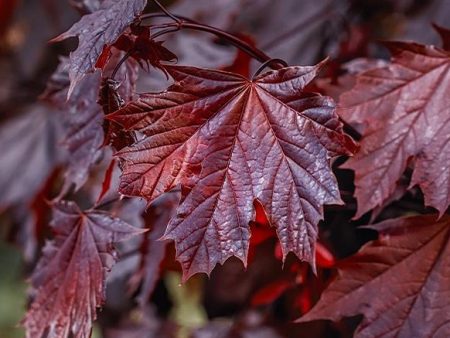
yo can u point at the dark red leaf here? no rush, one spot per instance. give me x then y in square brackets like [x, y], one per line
[96, 30]
[228, 141]
[404, 107]
[69, 280]
[144, 49]
[400, 283]
[84, 136]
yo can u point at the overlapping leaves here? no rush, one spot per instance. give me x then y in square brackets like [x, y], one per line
[97, 30]
[83, 115]
[229, 141]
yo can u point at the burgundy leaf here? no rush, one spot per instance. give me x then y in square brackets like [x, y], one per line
[400, 283]
[404, 106]
[69, 280]
[139, 45]
[229, 141]
[96, 30]
[84, 136]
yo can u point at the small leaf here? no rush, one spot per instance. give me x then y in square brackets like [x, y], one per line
[96, 30]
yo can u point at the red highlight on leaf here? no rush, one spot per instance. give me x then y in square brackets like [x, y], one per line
[106, 181]
[229, 141]
[324, 258]
[270, 292]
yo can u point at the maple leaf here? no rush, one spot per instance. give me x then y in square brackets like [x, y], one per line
[229, 141]
[380, 283]
[405, 109]
[84, 136]
[69, 280]
[97, 30]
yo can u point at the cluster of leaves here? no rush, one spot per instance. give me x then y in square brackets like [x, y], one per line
[231, 164]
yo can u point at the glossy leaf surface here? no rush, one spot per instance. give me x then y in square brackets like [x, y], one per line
[97, 30]
[229, 141]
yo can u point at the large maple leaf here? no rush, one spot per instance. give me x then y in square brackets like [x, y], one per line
[406, 109]
[400, 283]
[229, 141]
[69, 280]
[97, 30]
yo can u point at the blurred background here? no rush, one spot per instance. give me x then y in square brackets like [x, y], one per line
[259, 302]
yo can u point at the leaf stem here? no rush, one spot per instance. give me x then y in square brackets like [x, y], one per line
[267, 64]
[235, 41]
[166, 12]
[122, 60]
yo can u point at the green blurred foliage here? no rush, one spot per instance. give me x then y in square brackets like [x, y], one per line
[12, 292]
